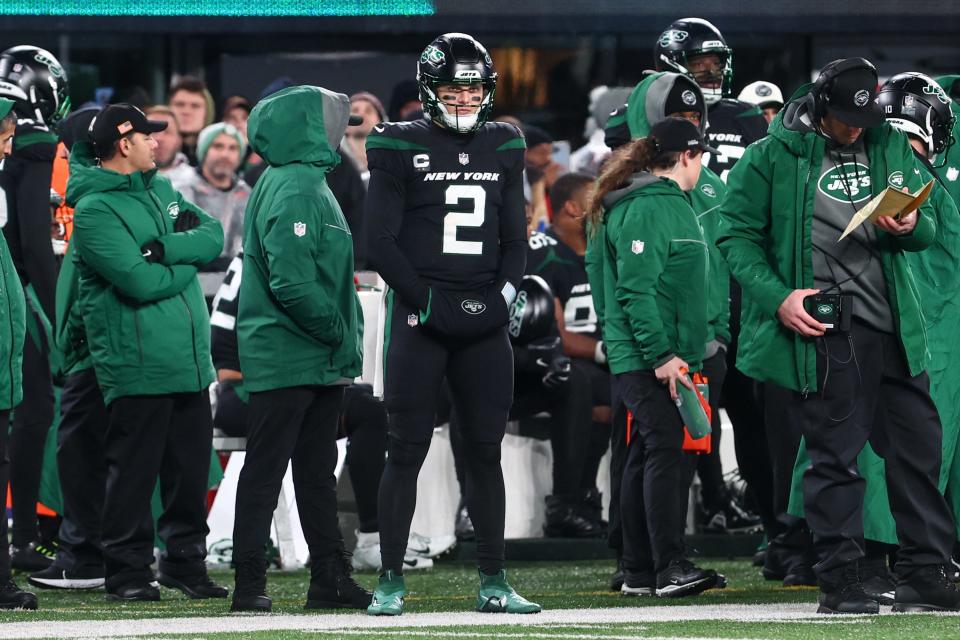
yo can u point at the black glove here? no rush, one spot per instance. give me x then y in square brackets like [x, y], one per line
[465, 314]
[152, 251]
[186, 221]
[547, 359]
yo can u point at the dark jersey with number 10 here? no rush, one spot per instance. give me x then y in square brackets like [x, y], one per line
[444, 208]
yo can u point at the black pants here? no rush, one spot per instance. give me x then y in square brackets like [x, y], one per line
[618, 459]
[653, 494]
[599, 433]
[479, 373]
[866, 393]
[298, 425]
[81, 439]
[232, 413]
[708, 465]
[4, 480]
[32, 420]
[170, 437]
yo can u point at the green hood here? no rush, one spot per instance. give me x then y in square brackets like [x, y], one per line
[301, 124]
[87, 177]
[645, 107]
[641, 180]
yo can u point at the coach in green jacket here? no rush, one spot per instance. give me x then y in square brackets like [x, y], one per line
[790, 198]
[137, 244]
[299, 333]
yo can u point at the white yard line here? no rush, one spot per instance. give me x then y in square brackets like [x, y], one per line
[360, 623]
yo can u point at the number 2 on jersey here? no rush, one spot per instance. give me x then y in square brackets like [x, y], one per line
[455, 195]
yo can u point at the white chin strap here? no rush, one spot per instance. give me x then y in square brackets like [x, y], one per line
[461, 124]
[711, 96]
[912, 128]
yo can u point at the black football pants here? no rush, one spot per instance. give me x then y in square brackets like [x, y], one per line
[81, 439]
[167, 436]
[866, 394]
[479, 373]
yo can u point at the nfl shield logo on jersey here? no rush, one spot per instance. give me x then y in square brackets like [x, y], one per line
[636, 246]
[299, 229]
[412, 320]
[464, 158]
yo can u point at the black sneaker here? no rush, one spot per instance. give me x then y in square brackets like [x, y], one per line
[134, 592]
[591, 507]
[800, 574]
[842, 592]
[732, 518]
[639, 583]
[926, 589]
[196, 588]
[55, 577]
[13, 597]
[30, 558]
[332, 586]
[683, 578]
[463, 528]
[564, 519]
[616, 580]
[878, 582]
[250, 588]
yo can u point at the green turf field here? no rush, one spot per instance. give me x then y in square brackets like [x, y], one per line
[575, 596]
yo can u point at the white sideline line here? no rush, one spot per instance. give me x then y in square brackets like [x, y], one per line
[358, 623]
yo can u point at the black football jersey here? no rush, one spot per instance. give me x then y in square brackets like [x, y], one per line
[566, 273]
[734, 125]
[223, 319]
[445, 208]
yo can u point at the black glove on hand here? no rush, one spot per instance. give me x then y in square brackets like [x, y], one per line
[558, 374]
[186, 221]
[546, 355]
[152, 251]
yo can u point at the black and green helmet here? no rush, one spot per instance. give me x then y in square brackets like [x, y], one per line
[455, 58]
[36, 81]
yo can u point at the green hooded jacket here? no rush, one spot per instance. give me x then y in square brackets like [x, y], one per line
[69, 335]
[766, 222]
[654, 276]
[147, 325]
[13, 330]
[645, 108]
[299, 320]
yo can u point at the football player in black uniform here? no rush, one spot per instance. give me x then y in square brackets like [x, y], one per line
[448, 231]
[37, 83]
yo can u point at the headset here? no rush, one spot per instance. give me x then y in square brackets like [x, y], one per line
[819, 96]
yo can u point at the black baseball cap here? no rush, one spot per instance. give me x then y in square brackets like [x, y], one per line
[118, 120]
[851, 96]
[678, 134]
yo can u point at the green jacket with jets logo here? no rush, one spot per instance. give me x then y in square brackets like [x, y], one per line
[299, 320]
[766, 220]
[146, 324]
[653, 264]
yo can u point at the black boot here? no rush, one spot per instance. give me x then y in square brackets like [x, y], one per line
[926, 589]
[332, 587]
[13, 597]
[842, 592]
[566, 520]
[877, 580]
[591, 506]
[464, 525]
[250, 588]
[196, 587]
[616, 580]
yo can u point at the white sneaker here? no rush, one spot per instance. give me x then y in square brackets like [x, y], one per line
[427, 547]
[366, 555]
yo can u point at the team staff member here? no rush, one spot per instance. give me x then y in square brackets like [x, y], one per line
[12, 332]
[36, 82]
[299, 336]
[654, 261]
[844, 387]
[137, 244]
[448, 234]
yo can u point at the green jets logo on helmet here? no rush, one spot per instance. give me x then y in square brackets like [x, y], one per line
[52, 65]
[936, 90]
[849, 182]
[672, 35]
[432, 55]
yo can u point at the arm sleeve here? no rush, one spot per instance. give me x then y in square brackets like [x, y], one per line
[744, 226]
[197, 246]
[513, 227]
[636, 289]
[104, 243]
[384, 215]
[292, 263]
[33, 213]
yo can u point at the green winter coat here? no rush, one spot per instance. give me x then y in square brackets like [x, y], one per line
[645, 108]
[766, 221]
[13, 330]
[654, 276]
[299, 321]
[950, 171]
[69, 335]
[147, 325]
